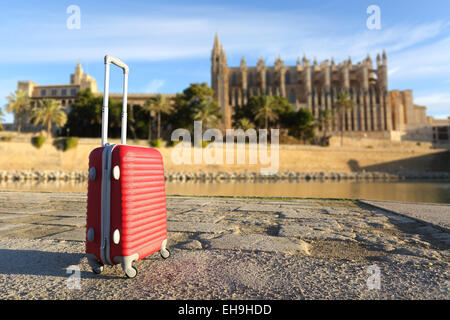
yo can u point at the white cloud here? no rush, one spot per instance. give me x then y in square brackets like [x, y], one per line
[438, 104]
[154, 86]
[428, 61]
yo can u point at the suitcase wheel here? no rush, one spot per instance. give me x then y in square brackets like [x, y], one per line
[165, 253]
[98, 269]
[131, 272]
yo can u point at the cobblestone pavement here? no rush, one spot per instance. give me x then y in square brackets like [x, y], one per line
[229, 248]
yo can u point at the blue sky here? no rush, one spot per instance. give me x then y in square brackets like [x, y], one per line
[168, 44]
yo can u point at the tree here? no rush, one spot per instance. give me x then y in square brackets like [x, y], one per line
[323, 121]
[302, 124]
[208, 113]
[85, 116]
[158, 105]
[266, 111]
[1, 119]
[342, 104]
[245, 124]
[47, 112]
[19, 104]
[195, 100]
[280, 109]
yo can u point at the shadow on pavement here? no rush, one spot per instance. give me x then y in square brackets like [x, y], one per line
[44, 263]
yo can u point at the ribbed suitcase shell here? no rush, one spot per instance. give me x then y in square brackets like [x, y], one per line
[138, 202]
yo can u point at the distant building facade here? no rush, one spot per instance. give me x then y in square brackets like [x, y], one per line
[66, 95]
[376, 113]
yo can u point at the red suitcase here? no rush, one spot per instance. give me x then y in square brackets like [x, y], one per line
[126, 204]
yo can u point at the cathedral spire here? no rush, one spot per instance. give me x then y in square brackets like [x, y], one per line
[216, 41]
[243, 64]
[217, 48]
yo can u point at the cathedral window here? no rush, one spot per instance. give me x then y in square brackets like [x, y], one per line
[250, 80]
[287, 77]
[233, 80]
[292, 97]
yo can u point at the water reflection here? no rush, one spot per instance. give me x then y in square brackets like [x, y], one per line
[410, 191]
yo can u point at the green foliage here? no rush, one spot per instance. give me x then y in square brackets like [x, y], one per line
[271, 109]
[19, 104]
[342, 104]
[195, 103]
[205, 143]
[172, 143]
[65, 143]
[159, 118]
[85, 117]
[49, 112]
[301, 124]
[1, 119]
[38, 141]
[244, 124]
[274, 111]
[160, 105]
[156, 143]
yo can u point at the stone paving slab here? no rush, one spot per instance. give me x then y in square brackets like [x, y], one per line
[436, 214]
[75, 222]
[81, 214]
[71, 235]
[259, 208]
[249, 248]
[7, 227]
[204, 227]
[258, 242]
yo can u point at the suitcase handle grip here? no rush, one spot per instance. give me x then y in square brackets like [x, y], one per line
[124, 67]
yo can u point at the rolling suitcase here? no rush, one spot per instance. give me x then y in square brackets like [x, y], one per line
[126, 203]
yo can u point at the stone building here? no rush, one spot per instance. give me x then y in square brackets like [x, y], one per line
[377, 112]
[308, 85]
[66, 95]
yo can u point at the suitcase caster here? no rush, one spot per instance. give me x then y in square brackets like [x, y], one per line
[96, 266]
[131, 272]
[127, 264]
[165, 253]
[97, 270]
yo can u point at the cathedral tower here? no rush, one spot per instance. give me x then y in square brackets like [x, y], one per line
[219, 80]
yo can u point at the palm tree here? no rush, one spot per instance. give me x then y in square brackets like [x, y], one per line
[159, 105]
[342, 104]
[325, 117]
[1, 119]
[245, 124]
[208, 113]
[49, 111]
[19, 104]
[266, 110]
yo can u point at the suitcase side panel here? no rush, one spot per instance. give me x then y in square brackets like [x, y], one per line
[138, 201]
[94, 203]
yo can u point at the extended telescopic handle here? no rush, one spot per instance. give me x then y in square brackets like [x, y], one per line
[124, 67]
